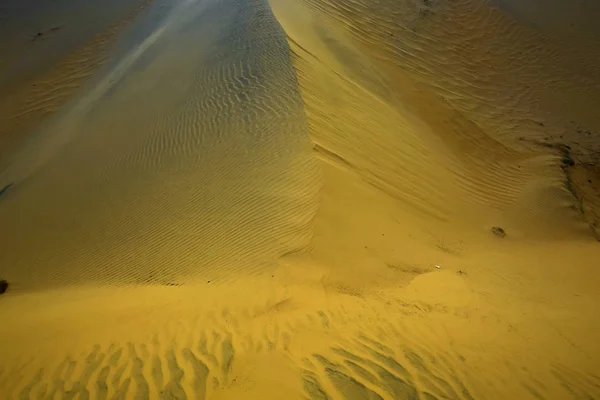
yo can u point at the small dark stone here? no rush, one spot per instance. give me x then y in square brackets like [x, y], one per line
[589, 181]
[5, 189]
[540, 123]
[567, 161]
[3, 286]
[208, 282]
[496, 230]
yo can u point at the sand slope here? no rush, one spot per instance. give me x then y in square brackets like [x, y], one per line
[296, 200]
[48, 53]
[212, 169]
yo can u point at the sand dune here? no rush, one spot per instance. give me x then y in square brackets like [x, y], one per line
[445, 78]
[314, 199]
[47, 55]
[210, 171]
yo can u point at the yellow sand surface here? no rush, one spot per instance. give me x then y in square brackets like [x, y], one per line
[323, 199]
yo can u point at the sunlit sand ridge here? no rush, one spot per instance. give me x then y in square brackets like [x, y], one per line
[399, 201]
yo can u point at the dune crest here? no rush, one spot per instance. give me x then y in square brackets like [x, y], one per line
[210, 172]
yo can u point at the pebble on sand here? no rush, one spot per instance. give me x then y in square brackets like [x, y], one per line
[3, 286]
[496, 230]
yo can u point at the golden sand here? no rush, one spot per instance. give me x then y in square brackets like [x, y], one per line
[311, 199]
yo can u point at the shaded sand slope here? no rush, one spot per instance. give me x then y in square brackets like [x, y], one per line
[169, 166]
[48, 51]
[312, 218]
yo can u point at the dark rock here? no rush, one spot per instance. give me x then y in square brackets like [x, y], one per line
[3, 286]
[5, 189]
[496, 230]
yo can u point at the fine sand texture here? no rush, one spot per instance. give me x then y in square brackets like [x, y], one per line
[37, 34]
[49, 50]
[306, 199]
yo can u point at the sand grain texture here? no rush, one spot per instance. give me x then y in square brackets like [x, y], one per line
[312, 199]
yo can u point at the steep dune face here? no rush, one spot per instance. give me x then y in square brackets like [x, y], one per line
[211, 169]
[464, 78]
[313, 199]
[435, 122]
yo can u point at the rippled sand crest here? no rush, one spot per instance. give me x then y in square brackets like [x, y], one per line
[458, 115]
[311, 199]
[423, 78]
[209, 167]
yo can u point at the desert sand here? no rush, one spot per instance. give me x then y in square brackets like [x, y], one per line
[303, 199]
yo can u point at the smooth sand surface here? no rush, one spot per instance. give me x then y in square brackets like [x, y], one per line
[49, 50]
[311, 199]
